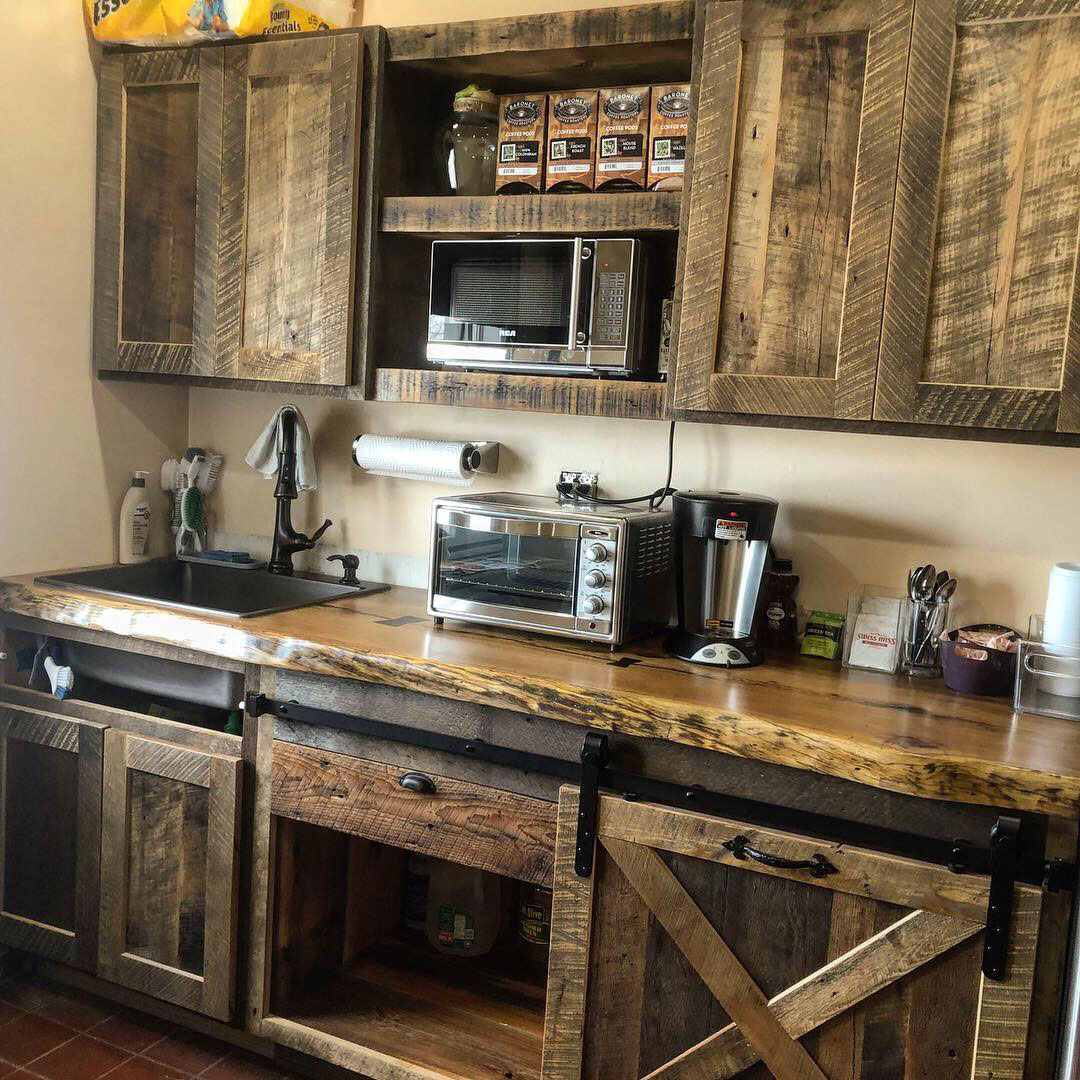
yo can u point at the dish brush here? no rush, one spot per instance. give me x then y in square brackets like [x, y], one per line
[192, 521]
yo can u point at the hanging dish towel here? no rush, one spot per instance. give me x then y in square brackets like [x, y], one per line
[263, 455]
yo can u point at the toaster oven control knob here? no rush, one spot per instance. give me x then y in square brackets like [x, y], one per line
[596, 579]
[596, 553]
[592, 605]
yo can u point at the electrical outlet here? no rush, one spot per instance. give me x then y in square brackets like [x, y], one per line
[590, 480]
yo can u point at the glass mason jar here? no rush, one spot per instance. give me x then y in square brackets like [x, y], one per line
[465, 147]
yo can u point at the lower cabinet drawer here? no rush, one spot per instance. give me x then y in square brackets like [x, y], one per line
[498, 831]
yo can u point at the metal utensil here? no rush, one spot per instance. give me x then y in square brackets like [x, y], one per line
[927, 581]
[943, 593]
[943, 576]
[913, 576]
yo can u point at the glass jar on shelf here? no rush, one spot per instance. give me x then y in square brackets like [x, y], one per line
[465, 146]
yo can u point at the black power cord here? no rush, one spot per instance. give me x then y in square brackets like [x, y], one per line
[655, 500]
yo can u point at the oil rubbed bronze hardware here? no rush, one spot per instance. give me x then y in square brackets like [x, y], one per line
[418, 782]
[817, 864]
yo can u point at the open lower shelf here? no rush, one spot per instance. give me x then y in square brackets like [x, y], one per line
[553, 394]
[586, 215]
[462, 1019]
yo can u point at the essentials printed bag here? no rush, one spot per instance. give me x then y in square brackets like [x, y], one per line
[178, 22]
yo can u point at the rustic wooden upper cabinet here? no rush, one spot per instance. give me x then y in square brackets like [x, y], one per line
[793, 175]
[702, 947]
[981, 320]
[227, 210]
[154, 110]
[170, 871]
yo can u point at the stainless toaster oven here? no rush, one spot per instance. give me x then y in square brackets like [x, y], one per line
[571, 306]
[527, 561]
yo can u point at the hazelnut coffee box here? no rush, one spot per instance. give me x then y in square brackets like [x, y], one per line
[622, 137]
[520, 168]
[571, 141]
[669, 126]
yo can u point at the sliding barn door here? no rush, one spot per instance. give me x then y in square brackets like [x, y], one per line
[982, 325]
[793, 175]
[702, 949]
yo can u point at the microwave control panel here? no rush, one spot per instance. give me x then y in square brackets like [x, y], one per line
[612, 283]
[596, 575]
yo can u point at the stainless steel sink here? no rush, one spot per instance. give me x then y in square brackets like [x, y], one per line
[210, 590]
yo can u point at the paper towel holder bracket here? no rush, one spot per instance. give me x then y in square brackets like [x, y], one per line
[481, 457]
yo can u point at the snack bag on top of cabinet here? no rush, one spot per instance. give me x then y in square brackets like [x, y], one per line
[187, 22]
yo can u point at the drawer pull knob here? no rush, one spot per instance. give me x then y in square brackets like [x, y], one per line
[817, 864]
[418, 782]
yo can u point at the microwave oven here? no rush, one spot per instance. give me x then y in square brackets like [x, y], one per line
[604, 574]
[570, 306]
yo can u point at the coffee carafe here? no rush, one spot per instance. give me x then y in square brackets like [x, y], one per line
[722, 542]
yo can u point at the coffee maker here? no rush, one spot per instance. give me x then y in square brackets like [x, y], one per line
[722, 541]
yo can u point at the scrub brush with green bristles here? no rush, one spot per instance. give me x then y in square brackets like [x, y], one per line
[192, 522]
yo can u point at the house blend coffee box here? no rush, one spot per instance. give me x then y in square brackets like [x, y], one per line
[622, 136]
[571, 141]
[669, 124]
[521, 141]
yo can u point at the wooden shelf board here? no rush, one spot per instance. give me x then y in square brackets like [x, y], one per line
[524, 393]
[604, 212]
[458, 1018]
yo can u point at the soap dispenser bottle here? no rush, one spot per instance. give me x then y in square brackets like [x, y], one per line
[135, 521]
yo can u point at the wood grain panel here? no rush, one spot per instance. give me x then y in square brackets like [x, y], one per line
[158, 257]
[493, 830]
[585, 397]
[579, 214]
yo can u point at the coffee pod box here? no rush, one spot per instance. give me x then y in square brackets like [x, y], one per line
[571, 141]
[622, 137]
[522, 118]
[669, 125]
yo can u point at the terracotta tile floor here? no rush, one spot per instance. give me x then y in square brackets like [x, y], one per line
[52, 1032]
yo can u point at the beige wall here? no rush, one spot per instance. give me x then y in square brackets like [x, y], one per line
[67, 442]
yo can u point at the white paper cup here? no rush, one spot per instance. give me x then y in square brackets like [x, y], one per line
[1061, 624]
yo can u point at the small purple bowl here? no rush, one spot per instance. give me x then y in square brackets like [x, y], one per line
[974, 669]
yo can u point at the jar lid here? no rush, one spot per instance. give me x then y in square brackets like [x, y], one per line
[472, 99]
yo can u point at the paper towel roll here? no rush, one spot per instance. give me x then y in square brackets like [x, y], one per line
[413, 459]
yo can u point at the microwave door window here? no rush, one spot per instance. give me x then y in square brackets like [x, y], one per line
[505, 293]
[531, 573]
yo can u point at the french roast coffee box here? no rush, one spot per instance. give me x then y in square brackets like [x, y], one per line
[520, 168]
[571, 141]
[622, 138]
[669, 126]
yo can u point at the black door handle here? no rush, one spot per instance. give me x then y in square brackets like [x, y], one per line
[817, 864]
[418, 782]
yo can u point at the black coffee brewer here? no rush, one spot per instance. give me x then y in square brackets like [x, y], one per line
[722, 542]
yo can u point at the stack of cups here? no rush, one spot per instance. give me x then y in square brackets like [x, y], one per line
[1061, 627]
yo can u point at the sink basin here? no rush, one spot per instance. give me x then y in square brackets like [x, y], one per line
[210, 590]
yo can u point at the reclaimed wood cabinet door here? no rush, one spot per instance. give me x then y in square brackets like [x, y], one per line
[169, 871]
[702, 948]
[158, 115]
[795, 136]
[50, 834]
[981, 324]
[287, 225]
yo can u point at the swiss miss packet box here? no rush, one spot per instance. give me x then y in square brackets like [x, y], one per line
[669, 126]
[522, 122]
[622, 136]
[571, 141]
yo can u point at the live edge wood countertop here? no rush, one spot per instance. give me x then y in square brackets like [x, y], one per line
[903, 735]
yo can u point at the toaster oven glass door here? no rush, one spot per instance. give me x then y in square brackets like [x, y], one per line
[512, 293]
[523, 571]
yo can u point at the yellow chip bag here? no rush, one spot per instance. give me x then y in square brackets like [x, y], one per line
[178, 22]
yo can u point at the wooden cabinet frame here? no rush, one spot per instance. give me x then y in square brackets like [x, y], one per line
[723, 27]
[212, 992]
[78, 946]
[949, 909]
[338, 59]
[900, 394]
[119, 72]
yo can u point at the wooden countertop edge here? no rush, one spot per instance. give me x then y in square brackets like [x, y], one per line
[945, 776]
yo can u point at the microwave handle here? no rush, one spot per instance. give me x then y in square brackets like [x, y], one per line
[582, 255]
